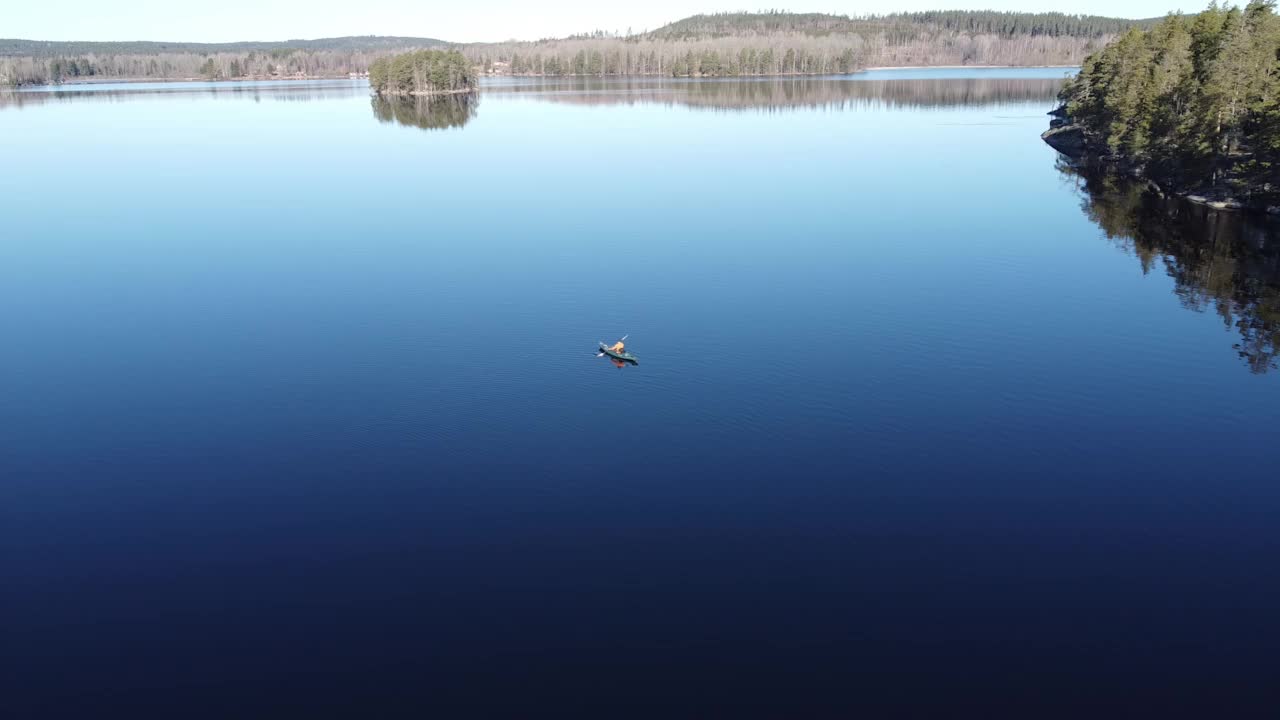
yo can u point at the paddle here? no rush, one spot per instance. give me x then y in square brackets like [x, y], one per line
[603, 343]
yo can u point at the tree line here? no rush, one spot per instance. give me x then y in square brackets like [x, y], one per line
[1193, 102]
[710, 58]
[779, 43]
[774, 54]
[424, 72]
[252, 65]
[351, 43]
[1014, 23]
[902, 24]
[773, 43]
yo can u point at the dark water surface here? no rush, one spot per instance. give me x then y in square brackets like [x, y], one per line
[301, 415]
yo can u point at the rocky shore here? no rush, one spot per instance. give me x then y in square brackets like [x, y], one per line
[1076, 143]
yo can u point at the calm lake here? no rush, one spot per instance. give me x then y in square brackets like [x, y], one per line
[302, 413]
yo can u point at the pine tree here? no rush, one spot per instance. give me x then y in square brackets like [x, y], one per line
[1190, 99]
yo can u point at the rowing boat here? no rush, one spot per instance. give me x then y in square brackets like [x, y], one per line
[619, 355]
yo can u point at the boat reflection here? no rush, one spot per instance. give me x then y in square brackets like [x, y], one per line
[1224, 261]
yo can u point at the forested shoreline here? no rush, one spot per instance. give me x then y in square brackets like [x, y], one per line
[252, 65]
[779, 43]
[728, 44]
[1192, 104]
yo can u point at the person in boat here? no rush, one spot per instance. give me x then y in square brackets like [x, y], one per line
[617, 347]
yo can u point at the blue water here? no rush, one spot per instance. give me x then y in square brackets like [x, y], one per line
[302, 416]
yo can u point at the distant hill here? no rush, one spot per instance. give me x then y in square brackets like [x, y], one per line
[741, 24]
[783, 43]
[358, 43]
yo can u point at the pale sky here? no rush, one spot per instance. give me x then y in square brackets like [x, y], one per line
[455, 20]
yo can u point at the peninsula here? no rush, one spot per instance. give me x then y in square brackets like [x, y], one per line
[1191, 104]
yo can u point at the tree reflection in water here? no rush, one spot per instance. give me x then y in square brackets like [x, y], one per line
[773, 94]
[434, 112]
[1225, 261]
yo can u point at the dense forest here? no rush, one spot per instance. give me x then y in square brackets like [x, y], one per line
[30, 62]
[902, 24]
[1192, 103]
[1221, 262]
[423, 72]
[773, 43]
[252, 65]
[779, 43]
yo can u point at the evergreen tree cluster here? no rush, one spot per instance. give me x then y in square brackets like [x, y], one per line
[1193, 101]
[424, 72]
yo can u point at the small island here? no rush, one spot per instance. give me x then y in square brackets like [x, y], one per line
[1191, 105]
[423, 73]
